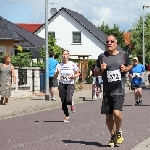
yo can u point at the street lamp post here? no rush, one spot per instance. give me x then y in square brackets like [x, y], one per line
[46, 53]
[144, 39]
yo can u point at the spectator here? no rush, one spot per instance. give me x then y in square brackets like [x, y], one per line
[52, 82]
[6, 72]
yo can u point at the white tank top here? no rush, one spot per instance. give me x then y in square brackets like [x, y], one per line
[65, 71]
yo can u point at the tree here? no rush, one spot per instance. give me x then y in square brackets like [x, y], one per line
[22, 59]
[137, 38]
[52, 47]
[116, 32]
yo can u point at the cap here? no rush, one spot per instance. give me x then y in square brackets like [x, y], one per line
[135, 58]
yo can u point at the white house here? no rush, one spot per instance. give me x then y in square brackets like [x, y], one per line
[75, 33]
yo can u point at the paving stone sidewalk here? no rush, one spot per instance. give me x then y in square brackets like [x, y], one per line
[38, 103]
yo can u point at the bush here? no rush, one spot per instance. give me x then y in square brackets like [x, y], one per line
[89, 80]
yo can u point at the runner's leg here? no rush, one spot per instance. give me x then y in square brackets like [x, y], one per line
[118, 104]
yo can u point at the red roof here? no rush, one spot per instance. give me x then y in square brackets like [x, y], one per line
[127, 38]
[29, 27]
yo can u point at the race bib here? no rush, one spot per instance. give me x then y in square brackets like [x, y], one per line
[136, 75]
[64, 78]
[114, 75]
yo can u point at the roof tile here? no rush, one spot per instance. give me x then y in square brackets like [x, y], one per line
[6, 31]
[29, 27]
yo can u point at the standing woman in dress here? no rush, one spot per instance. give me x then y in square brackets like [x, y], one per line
[68, 71]
[6, 72]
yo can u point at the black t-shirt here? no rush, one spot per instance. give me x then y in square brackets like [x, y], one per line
[113, 79]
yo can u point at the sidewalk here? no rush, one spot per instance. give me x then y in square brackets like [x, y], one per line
[38, 103]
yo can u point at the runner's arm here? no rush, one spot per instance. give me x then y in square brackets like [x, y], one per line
[57, 71]
[98, 71]
[143, 70]
[130, 74]
[127, 62]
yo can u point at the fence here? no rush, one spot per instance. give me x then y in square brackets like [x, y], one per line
[22, 76]
[28, 82]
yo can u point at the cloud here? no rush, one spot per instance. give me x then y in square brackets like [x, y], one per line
[122, 12]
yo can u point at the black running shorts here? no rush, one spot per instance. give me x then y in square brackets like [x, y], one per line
[53, 82]
[111, 103]
[136, 86]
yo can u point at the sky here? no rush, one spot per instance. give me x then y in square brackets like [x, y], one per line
[124, 13]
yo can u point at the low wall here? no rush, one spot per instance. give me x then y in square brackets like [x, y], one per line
[26, 90]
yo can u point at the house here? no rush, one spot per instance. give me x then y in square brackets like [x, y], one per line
[13, 36]
[75, 33]
[8, 38]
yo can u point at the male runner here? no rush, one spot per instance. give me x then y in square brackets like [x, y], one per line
[113, 66]
[137, 73]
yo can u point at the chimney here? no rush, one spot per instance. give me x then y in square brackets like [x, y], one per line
[53, 11]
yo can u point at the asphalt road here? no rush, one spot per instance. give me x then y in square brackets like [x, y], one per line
[45, 130]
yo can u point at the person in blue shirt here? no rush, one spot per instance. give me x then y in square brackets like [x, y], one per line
[137, 73]
[52, 67]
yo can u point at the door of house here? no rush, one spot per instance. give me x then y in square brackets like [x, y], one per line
[83, 65]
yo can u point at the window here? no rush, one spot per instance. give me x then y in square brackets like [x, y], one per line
[51, 33]
[76, 37]
[12, 52]
[2, 50]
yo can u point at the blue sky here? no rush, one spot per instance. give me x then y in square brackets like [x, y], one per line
[122, 12]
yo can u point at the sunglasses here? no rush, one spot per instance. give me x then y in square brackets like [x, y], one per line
[111, 41]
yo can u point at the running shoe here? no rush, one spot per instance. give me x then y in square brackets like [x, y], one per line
[53, 99]
[66, 119]
[112, 142]
[73, 107]
[140, 103]
[136, 103]
[119, 138]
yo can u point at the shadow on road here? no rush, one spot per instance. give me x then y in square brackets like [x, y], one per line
[50, 121]
[85, 143]
[53, 121]
[86, 99]
[37, 99]
[127, 105]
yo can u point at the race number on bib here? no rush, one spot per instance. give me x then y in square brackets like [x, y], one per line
[64, 78]
[136, 75]
[114, 75]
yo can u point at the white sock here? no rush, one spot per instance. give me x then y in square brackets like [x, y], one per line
[119, 131]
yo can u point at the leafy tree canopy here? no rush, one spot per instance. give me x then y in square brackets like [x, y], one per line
[116, 32]
[137, 38]
[52, 46]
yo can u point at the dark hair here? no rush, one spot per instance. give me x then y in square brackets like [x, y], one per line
[51, 54]
[66, 51]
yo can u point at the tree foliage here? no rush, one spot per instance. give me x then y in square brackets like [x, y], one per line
[22, 59]
[52, 46]
[137, 38]
[116, 32]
